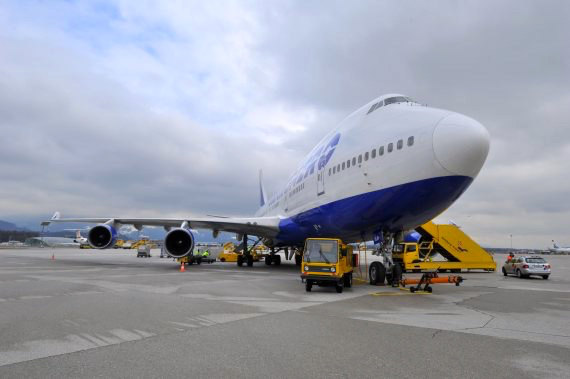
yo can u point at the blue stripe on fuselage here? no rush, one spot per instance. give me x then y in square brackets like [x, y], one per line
[401, 207]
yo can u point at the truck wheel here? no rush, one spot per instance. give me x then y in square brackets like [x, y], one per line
[249, 261]
[222, 259]
[240, 260]
[276, 259]
[545, 277]
[308, 285]
[348, 280]
[268, 260]
[377, 273]
[339, 287]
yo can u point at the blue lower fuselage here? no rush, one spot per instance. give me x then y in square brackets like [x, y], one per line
[357, 218]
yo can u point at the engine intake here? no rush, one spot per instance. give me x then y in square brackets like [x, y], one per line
[102, 236]
[179, 242]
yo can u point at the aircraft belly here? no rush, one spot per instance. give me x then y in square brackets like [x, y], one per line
[399, 207]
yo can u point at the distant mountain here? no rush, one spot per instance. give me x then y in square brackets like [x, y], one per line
[5, 225]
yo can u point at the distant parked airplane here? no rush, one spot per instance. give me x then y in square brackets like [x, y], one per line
[559, 249]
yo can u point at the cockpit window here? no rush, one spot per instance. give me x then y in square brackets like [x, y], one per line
[375, 106]
[396, 99]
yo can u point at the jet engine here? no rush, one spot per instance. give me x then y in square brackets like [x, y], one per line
[102, 236]
[179, 242]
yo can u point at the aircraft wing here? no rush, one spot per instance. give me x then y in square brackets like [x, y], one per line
[257, 226]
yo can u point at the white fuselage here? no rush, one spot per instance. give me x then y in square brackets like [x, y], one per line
[373, 157]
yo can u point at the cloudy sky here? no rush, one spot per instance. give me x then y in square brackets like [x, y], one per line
[145, 108]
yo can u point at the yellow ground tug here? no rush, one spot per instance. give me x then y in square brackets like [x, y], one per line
[327, 262]
[456, 248]
[230, 255]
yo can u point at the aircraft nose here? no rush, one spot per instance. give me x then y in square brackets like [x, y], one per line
[461, 144]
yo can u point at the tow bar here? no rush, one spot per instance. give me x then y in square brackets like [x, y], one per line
[430, 278]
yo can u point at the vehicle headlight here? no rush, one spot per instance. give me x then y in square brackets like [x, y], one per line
[306, 268]
[333, 269]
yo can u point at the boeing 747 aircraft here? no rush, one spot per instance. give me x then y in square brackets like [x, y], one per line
[388, 167]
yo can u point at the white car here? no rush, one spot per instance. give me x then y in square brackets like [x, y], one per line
[523, 267]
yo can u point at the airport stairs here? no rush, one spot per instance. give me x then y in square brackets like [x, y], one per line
[454, 245]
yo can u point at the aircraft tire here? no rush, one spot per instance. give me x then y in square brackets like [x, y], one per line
[249, 261]
[268, 260]
[396, 275]
[240, 260]
[377, 273]
[276, 259]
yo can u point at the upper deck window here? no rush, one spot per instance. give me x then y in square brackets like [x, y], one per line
[396, 99]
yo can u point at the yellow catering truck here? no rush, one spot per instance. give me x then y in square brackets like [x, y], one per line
[443, 248]
[327, 262]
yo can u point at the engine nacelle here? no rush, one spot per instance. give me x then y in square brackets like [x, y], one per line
[179, 242]
[102, 236]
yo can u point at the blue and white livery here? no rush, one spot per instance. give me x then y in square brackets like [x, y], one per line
[388, 167]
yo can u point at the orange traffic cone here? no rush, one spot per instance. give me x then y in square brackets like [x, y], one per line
[182, 269]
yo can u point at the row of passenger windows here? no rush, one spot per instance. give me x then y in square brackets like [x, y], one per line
[370, 155]
[297, 189]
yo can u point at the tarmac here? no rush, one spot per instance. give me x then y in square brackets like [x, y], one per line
[90, 313]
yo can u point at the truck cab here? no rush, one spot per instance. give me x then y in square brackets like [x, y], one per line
[406, 254]
[327, 262]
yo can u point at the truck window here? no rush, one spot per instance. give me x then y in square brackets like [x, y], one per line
[411, 248]
[321, 251]
[398, 248]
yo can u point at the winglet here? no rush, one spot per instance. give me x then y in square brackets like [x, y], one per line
[56, 216]
[262, 198]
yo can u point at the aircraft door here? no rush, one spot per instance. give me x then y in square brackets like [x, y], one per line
[321, 181]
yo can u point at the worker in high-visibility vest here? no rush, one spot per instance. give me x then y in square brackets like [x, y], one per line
[206, 254]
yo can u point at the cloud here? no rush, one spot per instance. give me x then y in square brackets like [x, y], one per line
[169, 108]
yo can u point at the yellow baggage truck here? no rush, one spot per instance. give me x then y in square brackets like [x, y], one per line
[327, 262]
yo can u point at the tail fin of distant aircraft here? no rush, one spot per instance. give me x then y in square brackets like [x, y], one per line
[262, 197]
[554, 244]
[78, 234]
[56, 216]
